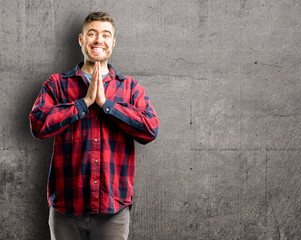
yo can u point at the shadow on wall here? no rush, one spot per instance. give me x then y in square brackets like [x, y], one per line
[71, 45]
[68, 52]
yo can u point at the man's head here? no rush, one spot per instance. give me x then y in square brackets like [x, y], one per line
[97, 39]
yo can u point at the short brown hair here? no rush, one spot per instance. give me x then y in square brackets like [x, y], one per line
[99, 16]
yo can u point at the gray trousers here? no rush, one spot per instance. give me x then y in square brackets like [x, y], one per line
[94, 227]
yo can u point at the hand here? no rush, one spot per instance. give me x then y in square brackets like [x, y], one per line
[92, 90]
[100, 96]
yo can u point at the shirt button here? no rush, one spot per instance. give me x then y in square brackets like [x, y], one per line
[96, 161]
[107, 109]
[95, 118]
[95, 182]
[84, 113]
[95, 140]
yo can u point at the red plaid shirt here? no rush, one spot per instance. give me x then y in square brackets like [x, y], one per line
[93, 162]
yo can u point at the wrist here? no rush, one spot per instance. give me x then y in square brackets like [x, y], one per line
[102, 102]
[88, 103]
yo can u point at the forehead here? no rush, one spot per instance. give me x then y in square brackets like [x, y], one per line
[99, 26]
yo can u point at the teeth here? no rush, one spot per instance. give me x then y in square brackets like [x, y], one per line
[98, 49]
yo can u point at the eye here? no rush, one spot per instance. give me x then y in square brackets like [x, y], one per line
[91, 34]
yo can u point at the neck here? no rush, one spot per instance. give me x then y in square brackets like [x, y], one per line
[88, 67]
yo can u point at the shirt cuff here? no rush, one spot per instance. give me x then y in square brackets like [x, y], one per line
[108, 107]
[82, 108]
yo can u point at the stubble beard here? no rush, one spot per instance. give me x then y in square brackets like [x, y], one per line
[92, 59]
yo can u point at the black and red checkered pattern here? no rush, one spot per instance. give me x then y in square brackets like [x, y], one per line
[93, 162]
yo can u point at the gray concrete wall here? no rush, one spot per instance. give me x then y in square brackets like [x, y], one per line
[224, 77]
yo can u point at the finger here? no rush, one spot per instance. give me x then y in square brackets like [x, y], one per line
[97, 73]
[99, 80]
[98, 69]
[94, 75]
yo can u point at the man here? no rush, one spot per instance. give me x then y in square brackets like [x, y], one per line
[95, 115]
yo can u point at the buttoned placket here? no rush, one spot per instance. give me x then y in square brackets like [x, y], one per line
[95, 158]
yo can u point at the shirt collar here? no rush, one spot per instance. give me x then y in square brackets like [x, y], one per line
[77, 72]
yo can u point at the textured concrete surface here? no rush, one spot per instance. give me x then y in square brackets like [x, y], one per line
[224, 77]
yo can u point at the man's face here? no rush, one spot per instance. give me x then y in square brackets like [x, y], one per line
[97, 41]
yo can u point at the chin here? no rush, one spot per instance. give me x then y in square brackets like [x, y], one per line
[97, 59]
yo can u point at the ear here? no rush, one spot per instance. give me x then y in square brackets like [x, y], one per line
[114, 40]
[80, 39]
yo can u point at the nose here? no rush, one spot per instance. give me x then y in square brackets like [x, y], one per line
[99, 39]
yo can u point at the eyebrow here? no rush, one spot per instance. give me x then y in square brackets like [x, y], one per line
[92, 29]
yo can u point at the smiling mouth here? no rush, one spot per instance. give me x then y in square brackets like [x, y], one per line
[97, 49]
